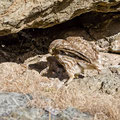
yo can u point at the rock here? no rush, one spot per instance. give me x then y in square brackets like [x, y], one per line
[32, 113]
[115, 69]
[72, 113]
[109, 59]
[115, 46]
[105, 82]
[52, 110]
[29, 113]
[13, 106]
[20, 14]
[10, 102]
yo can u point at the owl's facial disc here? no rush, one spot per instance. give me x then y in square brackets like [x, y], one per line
[53, 51]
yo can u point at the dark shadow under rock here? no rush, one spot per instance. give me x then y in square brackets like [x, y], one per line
[92, 26]
[50, 68]
[38, 66]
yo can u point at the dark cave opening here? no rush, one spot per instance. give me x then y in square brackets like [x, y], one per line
[38, 40]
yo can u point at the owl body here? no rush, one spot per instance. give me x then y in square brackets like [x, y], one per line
[71, 66]
[75, 54]
[84, 48]
[68, 62]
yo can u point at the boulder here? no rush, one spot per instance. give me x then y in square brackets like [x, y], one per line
[16, 15]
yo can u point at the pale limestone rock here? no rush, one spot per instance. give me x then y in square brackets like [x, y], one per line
[115, 46]
[16, 15]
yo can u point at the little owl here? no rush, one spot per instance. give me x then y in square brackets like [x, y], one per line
[75, 55]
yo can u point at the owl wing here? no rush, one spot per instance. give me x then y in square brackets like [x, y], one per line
[83, 49]
[75, 47]
[66, 47]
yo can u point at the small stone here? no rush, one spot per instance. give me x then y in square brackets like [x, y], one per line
[115, 69]
[115, 46]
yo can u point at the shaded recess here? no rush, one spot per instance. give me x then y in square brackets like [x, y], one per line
[30, 42]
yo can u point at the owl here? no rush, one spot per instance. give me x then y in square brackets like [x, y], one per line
[75, 54]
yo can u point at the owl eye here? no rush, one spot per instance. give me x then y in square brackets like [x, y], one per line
[53, 50]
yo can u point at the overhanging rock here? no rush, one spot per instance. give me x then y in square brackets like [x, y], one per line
[16, 15]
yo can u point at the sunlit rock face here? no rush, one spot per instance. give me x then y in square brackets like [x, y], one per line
[16, 15]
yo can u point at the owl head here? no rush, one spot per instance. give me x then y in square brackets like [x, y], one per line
[56, 46]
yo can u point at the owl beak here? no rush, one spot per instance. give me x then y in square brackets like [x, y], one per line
[53, 51]
[50, 51]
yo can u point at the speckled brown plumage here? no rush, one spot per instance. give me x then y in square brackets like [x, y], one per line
[75, 54]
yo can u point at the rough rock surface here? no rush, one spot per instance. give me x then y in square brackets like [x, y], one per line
[96, 94]
[31, 113]
[23, 57]
[106, 85]
[16, 15]
[14, 106]
[11, 102]
[72, 113]
[115, 46]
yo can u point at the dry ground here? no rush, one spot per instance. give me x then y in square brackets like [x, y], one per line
[47, 92]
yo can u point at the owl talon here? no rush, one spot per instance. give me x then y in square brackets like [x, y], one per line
[69, 81]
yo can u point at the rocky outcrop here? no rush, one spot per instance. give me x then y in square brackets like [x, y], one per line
[96, 96]
[23, 57]
[115, 46]
[16, 15]
[14, 106]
